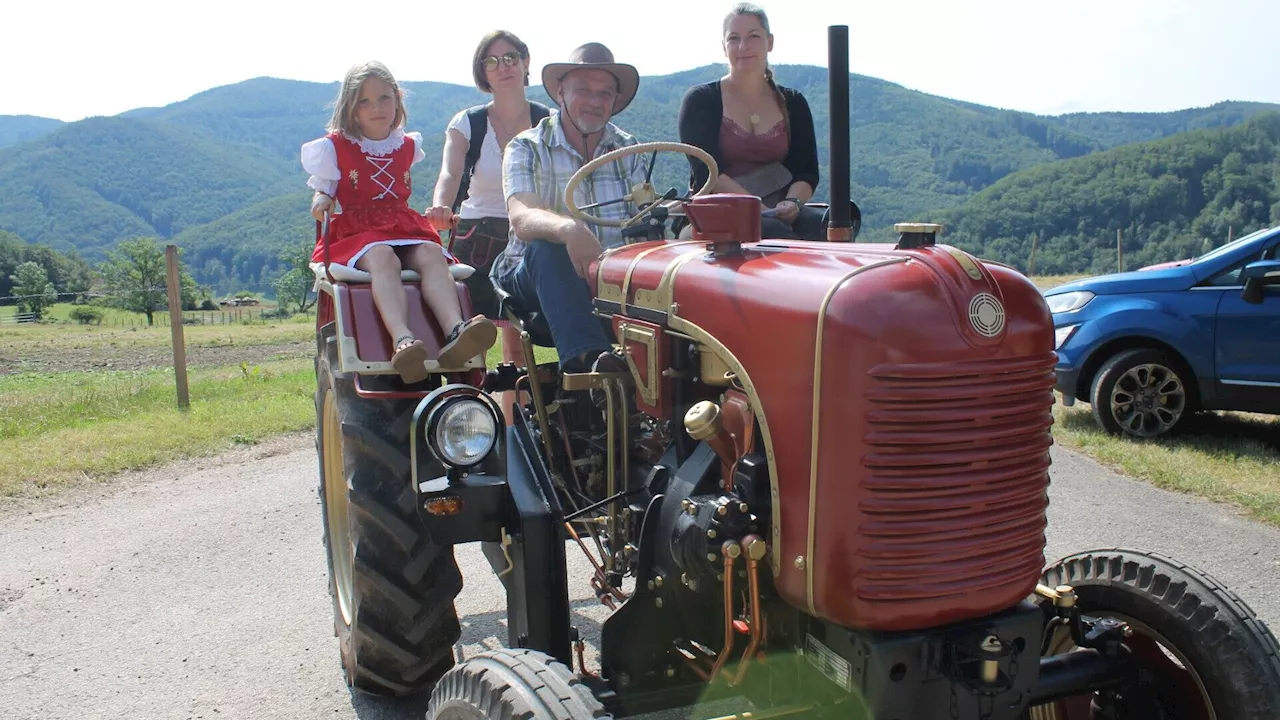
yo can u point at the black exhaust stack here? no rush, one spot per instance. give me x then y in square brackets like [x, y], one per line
[839, 226]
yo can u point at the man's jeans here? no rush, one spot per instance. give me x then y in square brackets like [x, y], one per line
[545, 280]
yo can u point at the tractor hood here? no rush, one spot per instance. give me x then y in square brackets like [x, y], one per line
[860, 360]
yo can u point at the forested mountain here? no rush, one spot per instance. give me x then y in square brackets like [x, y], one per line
[92, 183]
[1170, 199]
[20, 128]
[219, 172]
[68, 273]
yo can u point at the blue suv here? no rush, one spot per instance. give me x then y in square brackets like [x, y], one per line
[1149, 347]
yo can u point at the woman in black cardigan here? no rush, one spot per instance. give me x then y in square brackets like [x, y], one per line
[760, 133]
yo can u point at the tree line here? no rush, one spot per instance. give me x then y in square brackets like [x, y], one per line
[133, 277]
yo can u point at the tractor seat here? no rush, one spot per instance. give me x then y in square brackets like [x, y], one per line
[533, 322]
[347, 274]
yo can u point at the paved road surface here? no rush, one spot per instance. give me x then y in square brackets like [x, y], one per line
[199, 591]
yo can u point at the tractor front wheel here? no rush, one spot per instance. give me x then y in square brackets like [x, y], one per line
[1207, 655]
[392, 587]
[520, 684]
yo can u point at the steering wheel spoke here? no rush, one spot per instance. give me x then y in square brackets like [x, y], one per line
[615, 201]
[641, 193]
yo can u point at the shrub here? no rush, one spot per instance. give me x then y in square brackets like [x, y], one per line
[85, 315]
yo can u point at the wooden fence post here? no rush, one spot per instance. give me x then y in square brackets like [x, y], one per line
[1031, 264]
[175, 321]
[1119, 251]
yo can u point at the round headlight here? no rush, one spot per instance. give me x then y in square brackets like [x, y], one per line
[464, 433]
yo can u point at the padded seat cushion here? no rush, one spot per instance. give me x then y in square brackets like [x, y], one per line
[344, 273]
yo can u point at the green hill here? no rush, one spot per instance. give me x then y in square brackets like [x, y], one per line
[219, 171]
[92, 183]
[1171, 198]
[241, 250]
[20, 128]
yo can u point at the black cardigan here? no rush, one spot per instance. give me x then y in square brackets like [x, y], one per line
[701, 111]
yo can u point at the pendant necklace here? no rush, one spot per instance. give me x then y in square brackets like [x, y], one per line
[754, 118]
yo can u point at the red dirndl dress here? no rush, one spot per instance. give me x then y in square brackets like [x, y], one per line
[373, 194]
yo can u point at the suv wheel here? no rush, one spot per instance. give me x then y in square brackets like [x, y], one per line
[1140, 393]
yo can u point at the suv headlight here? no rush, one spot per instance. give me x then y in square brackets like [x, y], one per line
[462, 431]
[1069, 302]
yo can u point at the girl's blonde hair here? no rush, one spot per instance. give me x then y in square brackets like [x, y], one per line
[344, 107]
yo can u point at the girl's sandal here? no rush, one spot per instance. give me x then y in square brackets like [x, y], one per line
[468, 339]
[410, 359]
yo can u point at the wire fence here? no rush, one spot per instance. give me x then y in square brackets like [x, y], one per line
[106, 314]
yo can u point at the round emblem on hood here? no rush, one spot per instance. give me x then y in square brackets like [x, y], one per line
[986, 315]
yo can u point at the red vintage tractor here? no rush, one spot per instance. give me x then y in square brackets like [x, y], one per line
[820, 487]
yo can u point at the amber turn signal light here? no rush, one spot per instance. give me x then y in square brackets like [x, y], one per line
[451, 505]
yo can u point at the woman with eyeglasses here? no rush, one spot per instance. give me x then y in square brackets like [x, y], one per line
[469, 189]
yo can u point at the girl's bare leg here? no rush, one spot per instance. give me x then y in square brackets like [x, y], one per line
[439, 292]
[381, 262]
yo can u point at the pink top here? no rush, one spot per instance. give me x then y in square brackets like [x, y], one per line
[744, 152]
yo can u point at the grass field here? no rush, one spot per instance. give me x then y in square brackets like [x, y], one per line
[83, 402]
[56, 428]
[1227, 457]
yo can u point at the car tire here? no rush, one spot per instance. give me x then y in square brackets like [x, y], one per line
[1141, 393]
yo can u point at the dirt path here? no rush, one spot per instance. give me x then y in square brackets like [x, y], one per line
[199, 590]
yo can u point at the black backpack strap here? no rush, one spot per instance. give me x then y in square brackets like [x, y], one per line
[537, 111]
[478, 116]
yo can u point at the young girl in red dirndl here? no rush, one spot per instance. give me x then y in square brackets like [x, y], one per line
[364, 164]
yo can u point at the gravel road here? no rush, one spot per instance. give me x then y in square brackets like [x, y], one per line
[199, 590]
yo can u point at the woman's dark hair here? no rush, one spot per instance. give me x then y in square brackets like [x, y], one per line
[746, 8]
[482, 51]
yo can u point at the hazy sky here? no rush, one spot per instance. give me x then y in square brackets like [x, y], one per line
[74, 59]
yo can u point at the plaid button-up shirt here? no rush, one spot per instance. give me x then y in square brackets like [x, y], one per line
[541, 161]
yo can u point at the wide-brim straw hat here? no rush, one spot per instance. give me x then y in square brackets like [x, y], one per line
[596, 57]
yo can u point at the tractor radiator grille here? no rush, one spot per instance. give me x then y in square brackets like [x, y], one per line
[956, 487]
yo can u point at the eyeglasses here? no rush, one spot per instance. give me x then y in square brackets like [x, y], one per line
[509, 59]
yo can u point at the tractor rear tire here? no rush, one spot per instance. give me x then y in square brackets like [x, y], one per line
[392, 588]
[1226, 659]
[511, 684]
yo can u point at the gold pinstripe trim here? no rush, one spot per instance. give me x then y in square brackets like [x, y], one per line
[608, 291]
[662, 297]
[817, 401]
[635, 261]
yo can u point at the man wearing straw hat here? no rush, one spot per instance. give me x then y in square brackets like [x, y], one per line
[545, 262]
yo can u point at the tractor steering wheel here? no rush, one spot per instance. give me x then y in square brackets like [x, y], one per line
[641, 193]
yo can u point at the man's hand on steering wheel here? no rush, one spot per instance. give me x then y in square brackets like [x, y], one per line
[641, 193]
[582, 245]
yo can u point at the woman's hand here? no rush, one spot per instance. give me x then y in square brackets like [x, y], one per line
[319, 204]
[440, 217]
[787, 211]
